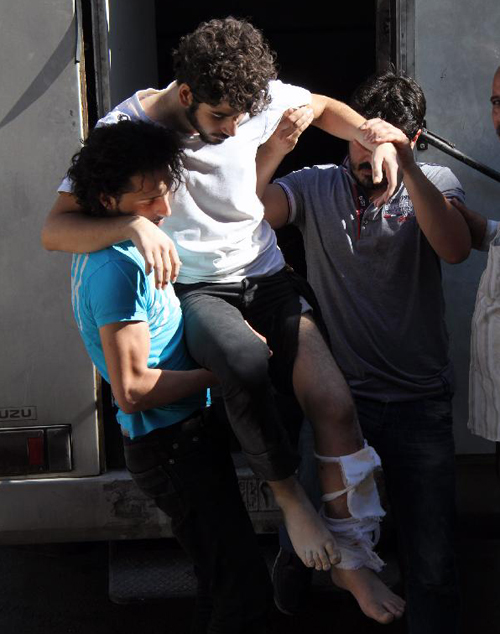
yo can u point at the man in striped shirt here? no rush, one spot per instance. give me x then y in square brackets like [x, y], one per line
[484, 378]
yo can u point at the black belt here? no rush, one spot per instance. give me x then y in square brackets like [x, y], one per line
[191, 424]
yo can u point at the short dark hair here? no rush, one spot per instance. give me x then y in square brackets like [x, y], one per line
[112, 154]
[394, 97]
[226, 60]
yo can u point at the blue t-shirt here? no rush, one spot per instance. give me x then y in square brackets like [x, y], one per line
[111, 286]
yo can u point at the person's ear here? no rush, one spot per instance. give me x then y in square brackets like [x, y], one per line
[415, 138]
[108, 202]
[185, 95]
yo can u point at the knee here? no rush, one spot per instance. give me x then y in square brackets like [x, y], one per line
[248, 367]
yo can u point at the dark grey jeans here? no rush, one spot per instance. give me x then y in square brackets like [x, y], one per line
[219, 339]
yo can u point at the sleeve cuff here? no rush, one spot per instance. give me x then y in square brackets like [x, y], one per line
[66, 186]
[120, 317]
[491, 231]
[292, 206]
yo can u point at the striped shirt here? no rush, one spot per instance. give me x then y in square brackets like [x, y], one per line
[484, 377]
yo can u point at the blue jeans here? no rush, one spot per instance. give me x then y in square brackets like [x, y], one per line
[415, 442]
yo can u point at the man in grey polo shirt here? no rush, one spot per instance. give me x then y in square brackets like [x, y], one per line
[376, 273]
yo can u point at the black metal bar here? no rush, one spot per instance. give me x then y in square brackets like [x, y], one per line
[78, 44]
[449, 148]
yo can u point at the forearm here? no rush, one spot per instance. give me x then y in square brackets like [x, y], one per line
[442, 225]
[76, 232]
[338, 119]
[267, 161]
[477, 224]
[269, 155]
[155, 388]
[342, 121]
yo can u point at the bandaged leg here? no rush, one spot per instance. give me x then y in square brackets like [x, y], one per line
[357, 535]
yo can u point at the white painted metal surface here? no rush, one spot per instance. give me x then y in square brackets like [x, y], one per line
[45, 370]
[452, 48]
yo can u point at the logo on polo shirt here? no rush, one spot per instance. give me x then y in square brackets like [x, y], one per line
[400, 209]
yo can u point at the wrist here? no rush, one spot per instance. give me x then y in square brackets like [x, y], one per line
[132, 226]
[273, 151]
[209, 378]
[360, 137]
[408, 166]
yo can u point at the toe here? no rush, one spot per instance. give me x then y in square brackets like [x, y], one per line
[380, 612]
[395, 608]
[383, 616]
[324, 561]
[318, 562]
[309, 560]
[333, 553]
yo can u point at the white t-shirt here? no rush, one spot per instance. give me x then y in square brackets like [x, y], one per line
[217, 220]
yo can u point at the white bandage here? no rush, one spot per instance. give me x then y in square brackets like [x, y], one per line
[357, 535]
[357, 473]
[356, 540]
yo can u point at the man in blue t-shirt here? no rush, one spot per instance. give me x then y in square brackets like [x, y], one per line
[133, 332]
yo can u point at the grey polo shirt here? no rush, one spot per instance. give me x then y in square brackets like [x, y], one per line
[378, 282]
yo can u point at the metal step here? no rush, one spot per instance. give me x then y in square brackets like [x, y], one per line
[145, 571]
[155, 570]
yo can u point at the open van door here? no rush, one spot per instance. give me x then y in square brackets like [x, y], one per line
[451, 49]
[49, 424]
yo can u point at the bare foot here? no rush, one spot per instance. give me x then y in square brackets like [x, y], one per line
[311, 540]
[374, 597]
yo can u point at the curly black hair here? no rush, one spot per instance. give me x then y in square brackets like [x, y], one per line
[394, 97]
[113, 154]
[226, 60]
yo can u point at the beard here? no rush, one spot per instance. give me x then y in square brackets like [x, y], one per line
[365, 178]
[211, 139]
[498, 130]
